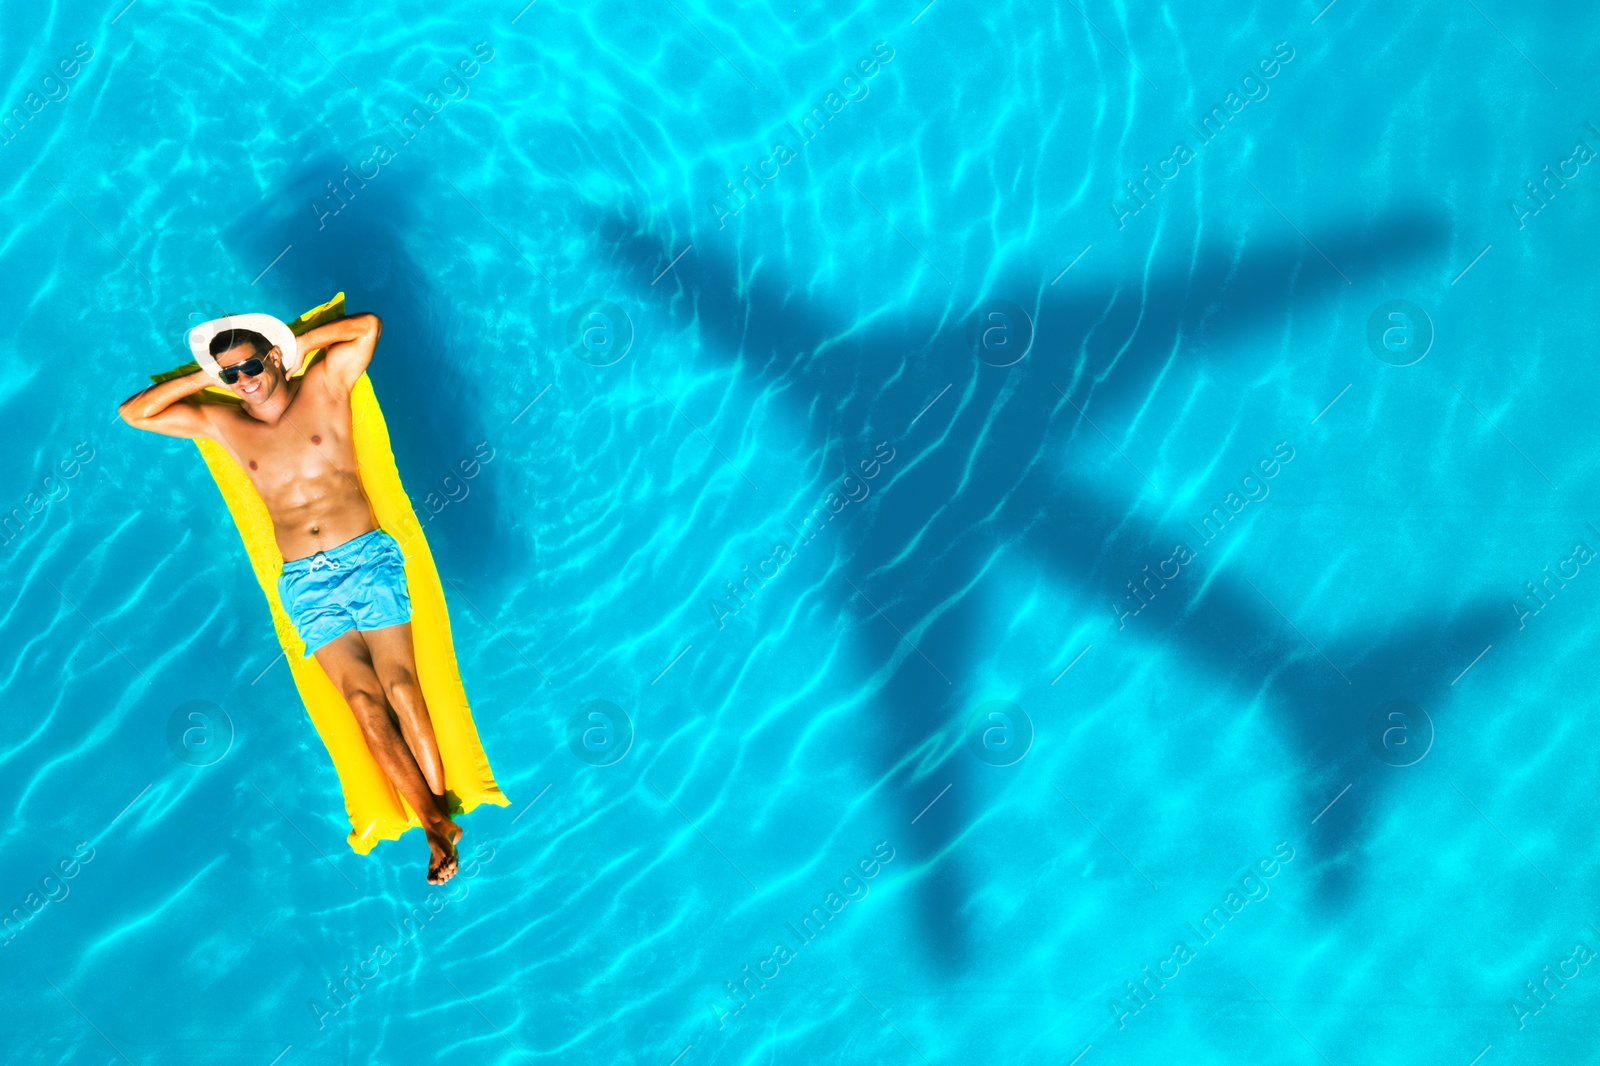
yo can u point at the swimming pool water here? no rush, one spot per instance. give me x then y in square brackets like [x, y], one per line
[997, 534]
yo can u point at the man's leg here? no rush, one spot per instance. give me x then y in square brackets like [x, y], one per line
[394, 660]
[348, 662]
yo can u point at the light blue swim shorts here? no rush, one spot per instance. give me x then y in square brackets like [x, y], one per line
[361, 584]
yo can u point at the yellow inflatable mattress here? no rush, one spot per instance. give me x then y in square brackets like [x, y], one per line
[377, 812]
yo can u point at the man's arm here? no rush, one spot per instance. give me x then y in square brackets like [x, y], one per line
[349, 341]
[160, 409]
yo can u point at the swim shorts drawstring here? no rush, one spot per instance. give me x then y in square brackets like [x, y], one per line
[320, 559]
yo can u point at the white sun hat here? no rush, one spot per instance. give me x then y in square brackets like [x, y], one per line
[277, 334]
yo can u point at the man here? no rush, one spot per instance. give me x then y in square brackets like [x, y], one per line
[344, 582]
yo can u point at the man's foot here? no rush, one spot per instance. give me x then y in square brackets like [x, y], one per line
[442, 866]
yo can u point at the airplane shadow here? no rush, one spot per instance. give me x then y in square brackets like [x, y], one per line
[1107, 347]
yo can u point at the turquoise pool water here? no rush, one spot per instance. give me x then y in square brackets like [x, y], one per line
[1086, 506]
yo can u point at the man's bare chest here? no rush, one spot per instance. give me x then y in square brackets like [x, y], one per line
[310, 440]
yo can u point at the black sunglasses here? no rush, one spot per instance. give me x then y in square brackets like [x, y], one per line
[249, 368]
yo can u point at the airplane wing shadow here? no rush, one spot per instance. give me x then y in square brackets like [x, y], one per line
[435, 415]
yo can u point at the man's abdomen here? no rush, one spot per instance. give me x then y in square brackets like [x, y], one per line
[320, 514]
